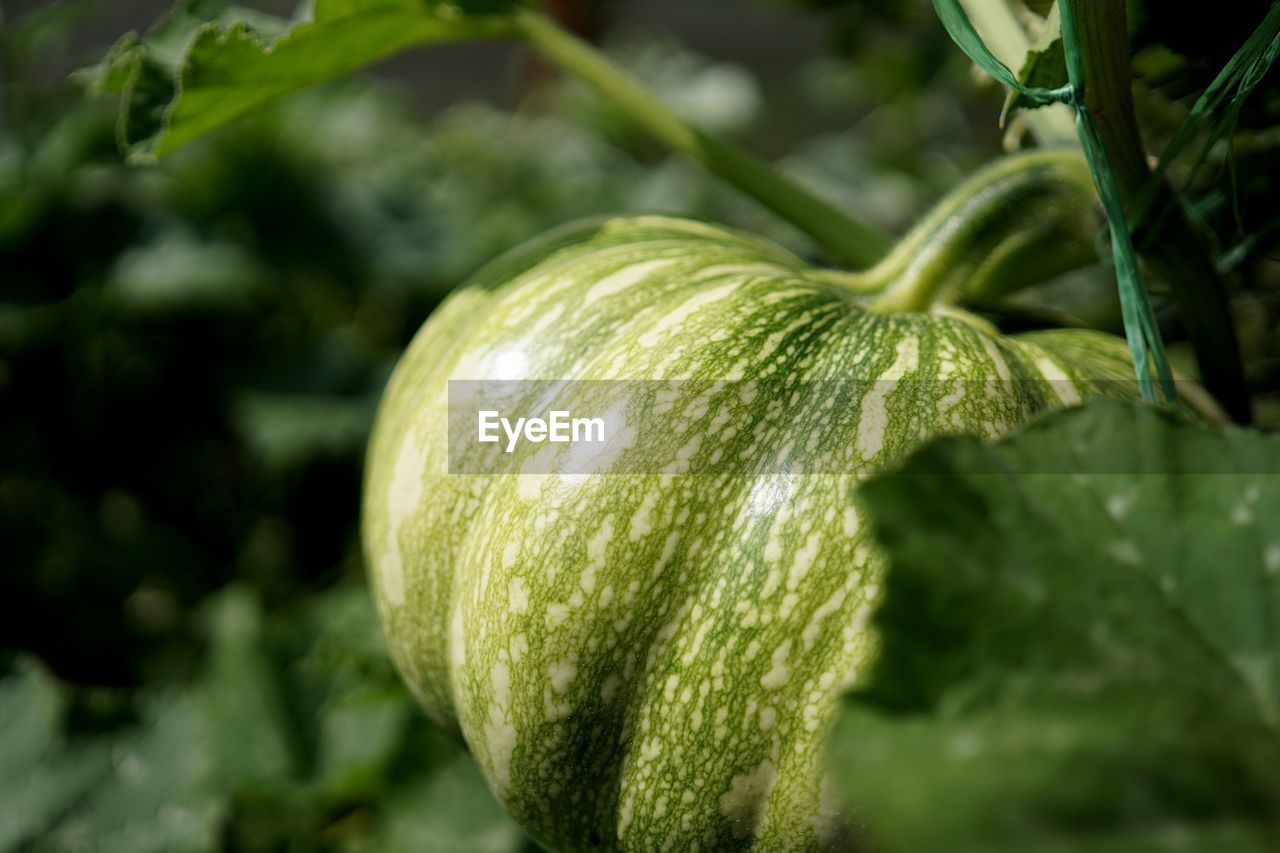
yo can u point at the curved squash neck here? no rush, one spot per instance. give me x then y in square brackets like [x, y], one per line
[1018, 221]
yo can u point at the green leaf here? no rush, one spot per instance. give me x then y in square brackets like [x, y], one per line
[297, 721]
[285, 429]
[1079, 643]
[160, 795]
[40, 775]
[360, 736]
[451, 811]
[957, 24]
[1045, 67]
[178, 272]
[145, 72]
[249, 727]
[208, 64]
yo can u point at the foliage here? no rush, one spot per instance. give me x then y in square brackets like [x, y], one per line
[1078, 644]
[295, 727]
[190, 356]
[207, 62]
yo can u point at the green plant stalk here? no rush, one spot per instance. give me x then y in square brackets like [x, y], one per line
[1179, 257]
[1023, 219]
[851, 242]
[1051, 124]
[1146, 346]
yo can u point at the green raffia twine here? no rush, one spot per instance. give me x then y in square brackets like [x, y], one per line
[1139, 318]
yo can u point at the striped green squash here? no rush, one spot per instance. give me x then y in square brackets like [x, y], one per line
[650, 662]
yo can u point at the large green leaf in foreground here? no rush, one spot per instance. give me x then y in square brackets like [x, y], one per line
[1081, 642]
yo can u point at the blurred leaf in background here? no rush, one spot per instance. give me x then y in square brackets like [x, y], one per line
[295, 728]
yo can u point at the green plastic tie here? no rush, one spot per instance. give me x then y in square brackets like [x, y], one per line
[1141, 329]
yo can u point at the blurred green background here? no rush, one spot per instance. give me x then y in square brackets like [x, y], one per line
[191, 356]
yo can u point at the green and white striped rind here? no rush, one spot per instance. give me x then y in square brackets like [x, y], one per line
[651, 662]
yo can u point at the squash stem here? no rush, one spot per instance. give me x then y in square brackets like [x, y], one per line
[850, 241]
[1021, 220]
